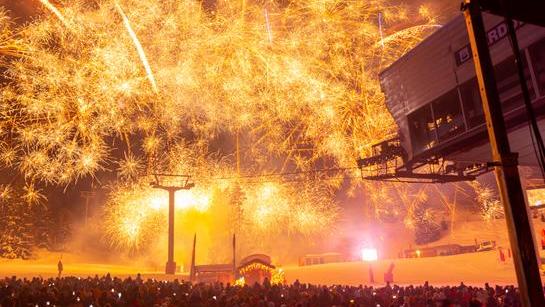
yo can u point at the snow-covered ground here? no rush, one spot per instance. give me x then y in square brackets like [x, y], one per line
[474, 268]
[30, 268]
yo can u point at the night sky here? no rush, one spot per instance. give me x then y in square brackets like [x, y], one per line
[67, 200]
[22, 10]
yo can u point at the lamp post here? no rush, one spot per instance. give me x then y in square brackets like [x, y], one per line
[171, 188]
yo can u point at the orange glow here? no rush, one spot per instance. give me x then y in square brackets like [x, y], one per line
[297, 87]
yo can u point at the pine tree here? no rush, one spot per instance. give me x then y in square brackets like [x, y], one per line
[16, 238]
[237, 199]
[42, 227]
[426, 229]
[25, 226]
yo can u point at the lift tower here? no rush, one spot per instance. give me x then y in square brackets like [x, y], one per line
[171, 183]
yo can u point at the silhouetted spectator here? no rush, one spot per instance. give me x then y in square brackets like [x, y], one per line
[60, 267]
[108, 291]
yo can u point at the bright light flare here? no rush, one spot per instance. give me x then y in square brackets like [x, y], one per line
[135, 213]
[183, 200]
[369, 254]
[192, 199]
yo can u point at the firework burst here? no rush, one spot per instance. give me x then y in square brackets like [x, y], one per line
[489, 204]
[251, 207]
[156, 85]
[10, 44]
[310, 94]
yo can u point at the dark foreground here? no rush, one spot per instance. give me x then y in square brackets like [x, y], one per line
[107, 291]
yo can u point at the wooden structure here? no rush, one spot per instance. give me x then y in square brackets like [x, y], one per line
[313, 259]
[256, 268]
[463, 101]
[212, 273]
[505, 160]
[433, 95]
[440, 250]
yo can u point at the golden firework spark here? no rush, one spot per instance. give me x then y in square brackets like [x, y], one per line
[490, 206]
[308, 98]
[10, 44]
[309, 95]
[6, 192]
[32, 195]
[138, 46]
[55, 11]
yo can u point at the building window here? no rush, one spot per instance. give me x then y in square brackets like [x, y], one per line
[537, 54]
[422, 129]
[471, 101]
[448, 116]
[509, 85]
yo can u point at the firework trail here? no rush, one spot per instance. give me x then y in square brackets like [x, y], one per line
[380, 30]
[311, 100]
[310, 97]
[268, 24]
[139, 47]
[55, 11]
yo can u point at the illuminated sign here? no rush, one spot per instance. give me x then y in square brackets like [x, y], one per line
[496, 34]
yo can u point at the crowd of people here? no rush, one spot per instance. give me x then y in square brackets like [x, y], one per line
[108, 291]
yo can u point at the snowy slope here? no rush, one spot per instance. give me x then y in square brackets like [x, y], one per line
[476, 268]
